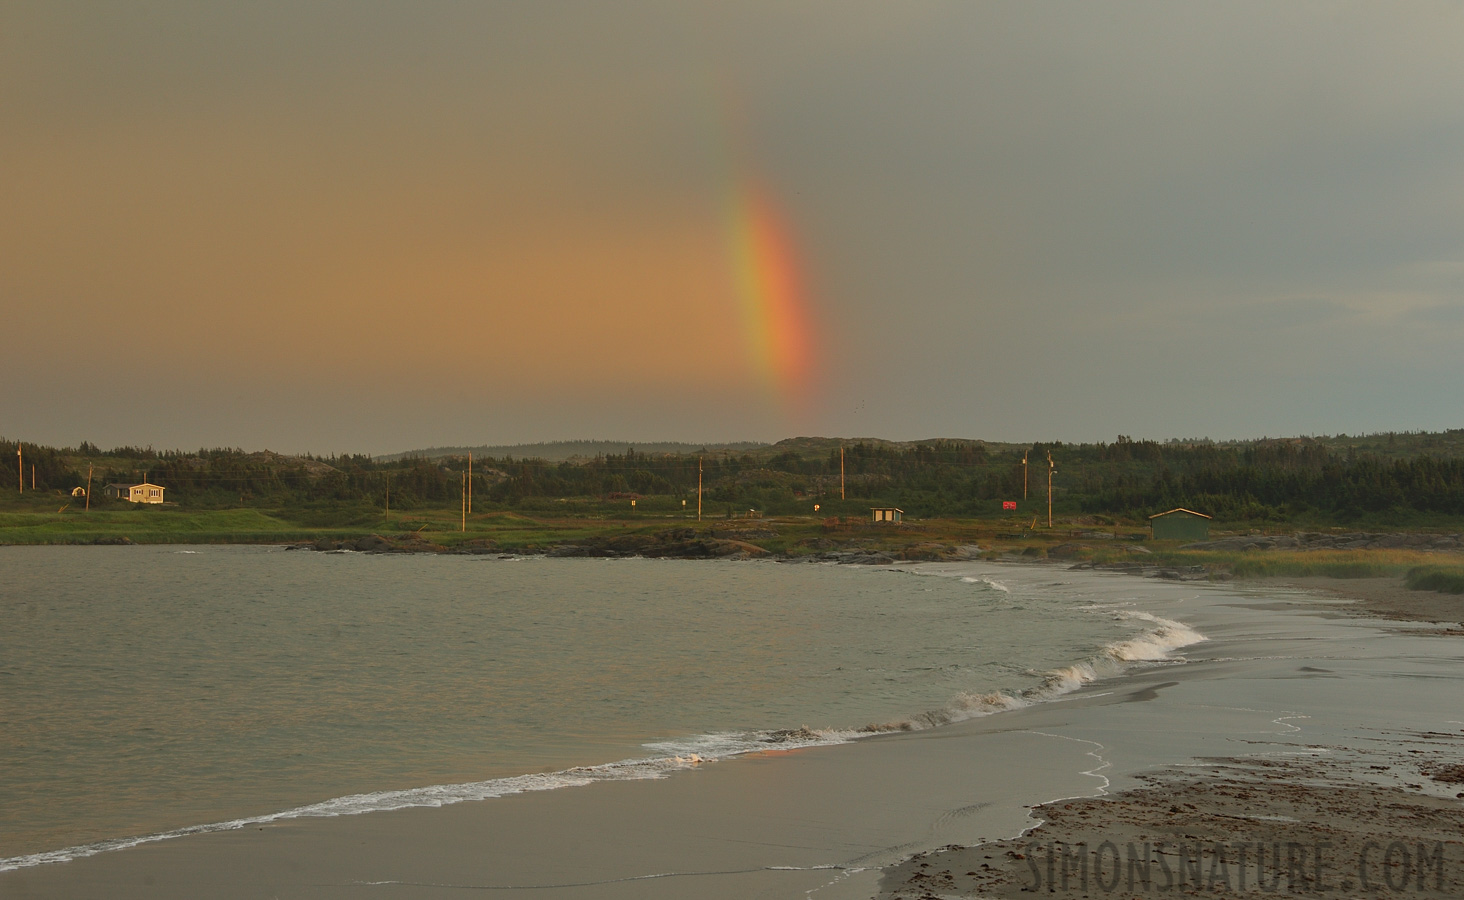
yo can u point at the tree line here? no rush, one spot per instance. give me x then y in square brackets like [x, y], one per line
[1266, 480]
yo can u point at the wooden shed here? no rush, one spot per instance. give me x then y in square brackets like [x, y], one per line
[888, 514]
[1179, 525]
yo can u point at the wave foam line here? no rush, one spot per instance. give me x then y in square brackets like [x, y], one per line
[1152, 645]
[681, 755]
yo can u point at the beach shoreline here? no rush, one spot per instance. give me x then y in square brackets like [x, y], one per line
[1380, 598]
[1232, 828]
[828, 819]
[1239, 826]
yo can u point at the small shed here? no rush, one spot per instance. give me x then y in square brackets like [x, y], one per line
[1179, 525]
[136, 493]
[888, 514]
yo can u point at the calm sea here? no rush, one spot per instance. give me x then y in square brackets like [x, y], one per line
[148, 690]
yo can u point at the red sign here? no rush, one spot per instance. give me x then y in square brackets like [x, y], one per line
[1008, 504]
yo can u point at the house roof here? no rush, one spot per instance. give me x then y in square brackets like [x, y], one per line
[118, 484]
[895, 508]
[1179, 509]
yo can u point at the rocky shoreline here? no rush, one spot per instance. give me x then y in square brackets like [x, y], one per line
[674, 543]
[687, 543]
[743, 543]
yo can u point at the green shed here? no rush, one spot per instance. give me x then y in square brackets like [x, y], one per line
[1179, 525]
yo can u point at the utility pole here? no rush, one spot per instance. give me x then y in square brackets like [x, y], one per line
[841, 471]
[465, 501]
[1024, 472]
[470, 482]
[88, 486]
[33, 476]
[1050, 466]
[19, 468]
[698, 487]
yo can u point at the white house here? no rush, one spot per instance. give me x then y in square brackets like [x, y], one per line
[136, 493]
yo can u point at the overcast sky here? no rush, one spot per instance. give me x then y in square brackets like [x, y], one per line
[356, 226]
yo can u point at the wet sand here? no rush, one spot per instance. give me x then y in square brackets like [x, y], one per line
[1384, 598]
[1291, 723]
[773, 825]
[1379, 815]
[1234, 828]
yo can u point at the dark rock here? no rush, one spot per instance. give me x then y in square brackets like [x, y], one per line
[802, 733]
[869, 559]
[372, 543]
[629, 543]
[1183, 573]
[928, 551]
[574, 550]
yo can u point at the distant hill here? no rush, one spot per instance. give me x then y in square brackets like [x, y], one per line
[822, 446]
[558, 451]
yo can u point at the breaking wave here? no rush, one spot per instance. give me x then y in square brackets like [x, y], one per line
[988, 581]
[1151, 645]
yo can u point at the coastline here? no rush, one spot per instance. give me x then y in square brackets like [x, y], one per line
[1384, 812]
[1382, 598]
[1230, 828]
[782, 823]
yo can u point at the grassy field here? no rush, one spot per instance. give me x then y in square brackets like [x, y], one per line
[788, 535]
[511, 530]
[140, 525]
[164, 525]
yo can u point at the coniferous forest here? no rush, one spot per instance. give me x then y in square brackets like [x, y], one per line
[1395, 480]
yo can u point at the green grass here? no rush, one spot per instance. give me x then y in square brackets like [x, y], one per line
[1444, 579]
[142, 526]
[794, 535]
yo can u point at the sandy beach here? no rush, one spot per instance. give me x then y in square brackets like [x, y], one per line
[1232, 827]
[1384, 598]
[1294, 723]
[1327, 821]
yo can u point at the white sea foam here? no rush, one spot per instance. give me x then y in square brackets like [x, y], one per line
[1165, 636]
[680, 755]
[1151, 645]
[988, 581]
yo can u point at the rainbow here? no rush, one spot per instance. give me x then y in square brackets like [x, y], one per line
[776, 313]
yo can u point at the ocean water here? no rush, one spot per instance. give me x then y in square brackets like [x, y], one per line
[154, 691]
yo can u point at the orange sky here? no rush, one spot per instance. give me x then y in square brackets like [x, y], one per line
[241, 247]
[390, 225]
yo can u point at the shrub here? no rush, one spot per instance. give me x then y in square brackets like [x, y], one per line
[1445, 580]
